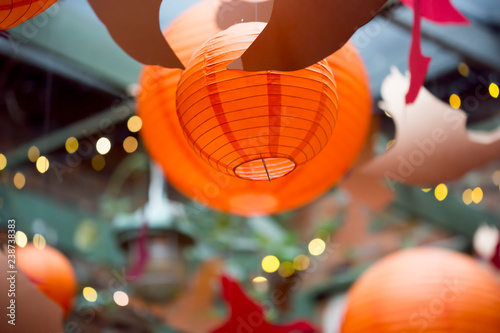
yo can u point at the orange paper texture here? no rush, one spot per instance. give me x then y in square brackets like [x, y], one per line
[15, 12]
[433, 144]
[302, 32]
[34, 312]
[166, 143]
[135, 27]
[424, 290]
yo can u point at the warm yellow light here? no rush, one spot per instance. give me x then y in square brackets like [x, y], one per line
[301, 262]
[390, 144]
[39, 241]
[3, 161]
[496, 177]
[89, 294]
[134, 124]
[494, 90]
[455, 101]
[72, 145]
[286, 269]
[477, 195]
[426, 190]
[42, 164]
[388, 114]
[19, 180]
[259, 279]
[467, 196]
[33, 154]
[270, 264]
[317, 247]
[260, 284]
[463, 69]
[21, 238]
[98, 162]
[441, 192]
[120, 298]
[130, 144]
[103, 146]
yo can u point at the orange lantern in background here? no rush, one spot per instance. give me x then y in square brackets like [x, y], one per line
[165, 141]
[50, 271]
[15, 12]
[424, 290]
[255, 125]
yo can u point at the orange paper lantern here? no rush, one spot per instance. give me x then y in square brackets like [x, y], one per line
[424, 290]
[15, 12]
[255, 125]
[165, 141]
[51, 271]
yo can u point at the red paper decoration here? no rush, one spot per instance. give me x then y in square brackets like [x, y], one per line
[51, 271]
[247, 316]
[424, 290]
[254, 125]
[165, 141]
[15, 12]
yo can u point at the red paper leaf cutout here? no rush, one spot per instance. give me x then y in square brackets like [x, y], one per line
[419, 64]
[439, 11]
[246, 315]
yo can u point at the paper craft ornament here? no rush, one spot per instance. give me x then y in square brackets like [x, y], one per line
[433, 144]
[247, 316]
[299, 33]
[50, 271]
[424, 290]
[33, 311]
[15, 12]
[256, 126]
[135, 27]
[185, 170]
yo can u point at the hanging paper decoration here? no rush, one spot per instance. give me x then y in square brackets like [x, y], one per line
[247, 316]
[433, 144]
[166, 143]
[424, 290]
[26, 309]
[135, 27]
[438, 11]
[50, 271]
[15, 12]
[304, 29]
[256, 126]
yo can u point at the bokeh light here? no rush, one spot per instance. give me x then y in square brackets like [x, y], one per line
[301, 262]
[72, 145]
[130, 144]
[494, 90]
[317, 247]
[33, 154]
[477, 195]
[3, 161]
[90, 294]
[134, 124]
[426, 190]
[19, 180]
[467, 196]
[103, 146]
[21, 238]
[463, 69]
[455, 101]
[42, 164]
[286, 269]
[270, 264]
[39, 241]
[260, 284]
[120, 298]
[98, 162]
[441, 192]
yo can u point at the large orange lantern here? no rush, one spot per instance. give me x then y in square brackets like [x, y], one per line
[255, 125]
[14, 12]
[51, 271]
[424, 290]
[165, 141]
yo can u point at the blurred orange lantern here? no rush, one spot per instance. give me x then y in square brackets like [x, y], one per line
[424, 290]
[255, 125]
[165, 141]
[14, 12]
[51, 271]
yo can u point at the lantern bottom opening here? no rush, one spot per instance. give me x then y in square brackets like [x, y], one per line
[267, 168]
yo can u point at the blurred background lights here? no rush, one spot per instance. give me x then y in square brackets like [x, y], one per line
[260, 284]
[72, 145]
[89, 294]
[301, 262]
[42, 164]
[103, 146]
[270, 264]
[455, 101]
[426, 190]
[477, 195]
[496, 177]
[494, 90]
[39, 241]
[21, 238]
[286, 269]
[120, 298]
[33, 154]
[3, 161]
[467, 196]
[463, 69]
[441, 192]
[98, 162]
[130, 144]
[19, 180]
[317, 247]
[134, 124]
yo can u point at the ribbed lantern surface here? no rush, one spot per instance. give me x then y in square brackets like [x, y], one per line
[14, 12]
